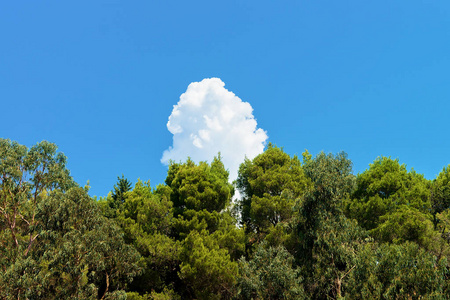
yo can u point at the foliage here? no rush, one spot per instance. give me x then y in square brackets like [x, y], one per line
[384, 187]
[184, 232]
[309, 230]
[270, 184]
[59, 245]
[26, 176]
[440, 193]
[86, 242]
[146, 218]
[166, 294]
[117, 198]
[269, 275]
[209, 239]
[206, 268]
[199, 187]
[402, 271]
[327, 240]
[405, 224]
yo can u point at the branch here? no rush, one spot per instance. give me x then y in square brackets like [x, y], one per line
[23, 219]
[107, 286]
[30, 243]
[348, 272]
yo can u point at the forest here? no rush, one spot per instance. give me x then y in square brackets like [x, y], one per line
[303, 228]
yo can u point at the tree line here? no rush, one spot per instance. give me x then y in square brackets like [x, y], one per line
[302, 229]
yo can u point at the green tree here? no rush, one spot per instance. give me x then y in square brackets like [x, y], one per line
[441, 245]
[123, 186]
[55, 243]
[404, 271]
[26, 175]
[203, 224]
[406, 224]
[206, 269]
[201, 196]
[84, 247]
[184, 232]
[270, 185]
[199, 187]
[440, 193]
[270, 274]
[116, 198]
[327, 240]
[383, 188]
[146, 218]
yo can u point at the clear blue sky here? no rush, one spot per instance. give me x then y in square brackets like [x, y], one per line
[100, 78]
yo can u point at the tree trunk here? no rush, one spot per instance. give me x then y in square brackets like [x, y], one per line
[107, 287]
[338, 287]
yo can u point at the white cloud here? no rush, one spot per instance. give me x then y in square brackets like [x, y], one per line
[209, 119]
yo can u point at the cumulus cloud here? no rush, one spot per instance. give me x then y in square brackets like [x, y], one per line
[209, 119]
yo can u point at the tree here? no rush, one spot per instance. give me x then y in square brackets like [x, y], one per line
[404, 271]
[184, 232]
[206, 268]
[440, 193]
[270, 184]
[201, 197]
[55, 243]
[26, 176]
[405, 224]
[270, 274]
[383, 188]
[210, 241]
[327, 240]
[146, 218]
[116, 198]
[84, 246]
[199, 187]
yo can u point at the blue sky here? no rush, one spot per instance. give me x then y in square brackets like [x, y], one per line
[100, 78]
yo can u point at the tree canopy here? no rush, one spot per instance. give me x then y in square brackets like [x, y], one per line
[55, 242]
[300, 229]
